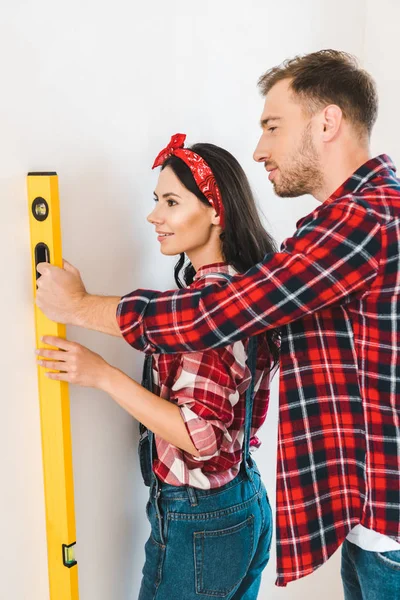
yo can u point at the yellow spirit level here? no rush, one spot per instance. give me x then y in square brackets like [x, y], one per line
[44, 216]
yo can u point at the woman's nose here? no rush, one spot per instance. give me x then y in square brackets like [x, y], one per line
[154, 216]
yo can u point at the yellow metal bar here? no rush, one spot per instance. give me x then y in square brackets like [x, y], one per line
[44, 215]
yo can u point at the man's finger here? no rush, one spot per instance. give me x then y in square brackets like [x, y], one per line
[70, 268]
[44, 266]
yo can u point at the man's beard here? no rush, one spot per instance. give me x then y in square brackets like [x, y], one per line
[304, 175]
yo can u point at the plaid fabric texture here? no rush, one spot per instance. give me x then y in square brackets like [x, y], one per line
[334, 290]
[210, 389]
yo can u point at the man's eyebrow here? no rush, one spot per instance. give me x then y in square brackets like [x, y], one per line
[167, 194]
[264, 122]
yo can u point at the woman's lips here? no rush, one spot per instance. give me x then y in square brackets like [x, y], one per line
[161, 238]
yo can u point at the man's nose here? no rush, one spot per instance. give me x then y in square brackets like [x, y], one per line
[261, 153]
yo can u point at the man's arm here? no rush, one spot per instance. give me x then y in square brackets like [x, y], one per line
[334, 253]
[63, 298]
[98, 313]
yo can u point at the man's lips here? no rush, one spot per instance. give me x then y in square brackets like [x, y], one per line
[271, 172]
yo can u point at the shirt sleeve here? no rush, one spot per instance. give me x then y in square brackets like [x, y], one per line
[206, 392]
[333, 254]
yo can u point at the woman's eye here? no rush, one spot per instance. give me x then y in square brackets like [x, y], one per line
[155, 199]
[271, 129]
[171, 202]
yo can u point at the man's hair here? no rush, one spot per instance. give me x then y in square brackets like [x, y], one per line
[329, 77]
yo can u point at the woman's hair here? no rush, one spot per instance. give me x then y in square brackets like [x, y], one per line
[244, 240]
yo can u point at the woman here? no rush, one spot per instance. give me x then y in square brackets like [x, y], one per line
[211, 524]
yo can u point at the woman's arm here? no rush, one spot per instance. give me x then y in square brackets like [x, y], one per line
[79, 365]
[159, 415]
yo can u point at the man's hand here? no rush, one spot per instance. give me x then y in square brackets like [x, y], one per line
[61, 293]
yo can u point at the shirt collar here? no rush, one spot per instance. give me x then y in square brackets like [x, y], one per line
[368, 171]
[218, 267]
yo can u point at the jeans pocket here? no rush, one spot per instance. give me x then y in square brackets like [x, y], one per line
[391, 559]
[222, 557]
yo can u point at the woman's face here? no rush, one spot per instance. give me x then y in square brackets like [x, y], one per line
[183, 223]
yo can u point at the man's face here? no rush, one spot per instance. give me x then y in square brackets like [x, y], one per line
[286, 145]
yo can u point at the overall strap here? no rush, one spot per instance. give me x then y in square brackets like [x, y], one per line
[251, 363]
[147, 382]
[152, 480]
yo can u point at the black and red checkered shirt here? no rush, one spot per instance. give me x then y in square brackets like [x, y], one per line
[334, 290]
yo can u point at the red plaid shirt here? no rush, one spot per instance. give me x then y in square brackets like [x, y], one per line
[334, 290]
[210, 389]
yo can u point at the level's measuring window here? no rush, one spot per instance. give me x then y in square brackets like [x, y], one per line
[69, 555]
[40, 209]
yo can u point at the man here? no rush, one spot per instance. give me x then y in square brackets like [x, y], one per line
[334, 291]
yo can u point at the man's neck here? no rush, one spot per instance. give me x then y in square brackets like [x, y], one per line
[338, 167]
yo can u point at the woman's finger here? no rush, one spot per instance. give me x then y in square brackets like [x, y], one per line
[54, 354]
[51, 340]
[58, 376]
[56, 366]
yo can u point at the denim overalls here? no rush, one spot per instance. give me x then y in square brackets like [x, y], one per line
[206, 543]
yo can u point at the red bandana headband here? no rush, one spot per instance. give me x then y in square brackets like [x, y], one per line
[201, 172]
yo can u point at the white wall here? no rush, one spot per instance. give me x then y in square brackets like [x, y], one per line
[381, 54]
[93, 90]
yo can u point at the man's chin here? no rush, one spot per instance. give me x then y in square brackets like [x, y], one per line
[288, 193]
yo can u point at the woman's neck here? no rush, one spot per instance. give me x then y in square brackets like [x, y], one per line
[205, 257]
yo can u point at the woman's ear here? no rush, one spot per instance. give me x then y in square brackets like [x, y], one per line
[215, 219]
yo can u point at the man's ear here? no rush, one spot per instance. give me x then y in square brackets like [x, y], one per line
[332, 117]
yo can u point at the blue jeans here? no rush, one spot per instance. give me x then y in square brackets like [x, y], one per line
[370, 575]
[207, 543]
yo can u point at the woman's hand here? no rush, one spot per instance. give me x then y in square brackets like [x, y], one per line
[74, 363]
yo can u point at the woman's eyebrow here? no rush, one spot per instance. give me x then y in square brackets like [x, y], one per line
[167, 194]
